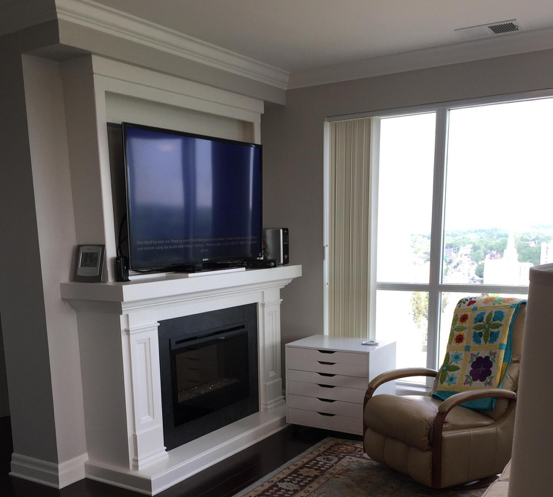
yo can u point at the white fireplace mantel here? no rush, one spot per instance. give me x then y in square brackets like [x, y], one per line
[118, 340]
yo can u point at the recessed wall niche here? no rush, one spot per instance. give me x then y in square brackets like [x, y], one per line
[123, 108]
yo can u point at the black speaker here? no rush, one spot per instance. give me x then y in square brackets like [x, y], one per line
[121, 269]
[276, 245]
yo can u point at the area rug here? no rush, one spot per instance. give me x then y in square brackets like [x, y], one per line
[339, 468]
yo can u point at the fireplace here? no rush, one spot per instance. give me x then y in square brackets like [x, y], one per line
[209, 372]
[127, 424]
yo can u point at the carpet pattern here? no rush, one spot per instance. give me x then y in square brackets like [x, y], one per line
[340, 468]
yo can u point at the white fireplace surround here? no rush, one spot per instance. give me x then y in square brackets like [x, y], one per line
[118, 340]
[102, 416]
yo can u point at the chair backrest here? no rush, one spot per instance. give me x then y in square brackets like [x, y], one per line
[510, 382]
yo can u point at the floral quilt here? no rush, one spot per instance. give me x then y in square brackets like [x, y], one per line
[479, 347]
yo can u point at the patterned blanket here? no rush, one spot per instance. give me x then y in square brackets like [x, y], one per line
[479, 348]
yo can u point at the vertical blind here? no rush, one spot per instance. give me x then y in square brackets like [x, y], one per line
[349, 228]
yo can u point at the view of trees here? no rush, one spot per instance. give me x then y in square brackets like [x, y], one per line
[475, 244]
[494, 240]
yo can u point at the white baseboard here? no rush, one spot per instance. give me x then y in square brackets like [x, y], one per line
[181, 463]
[48, 473]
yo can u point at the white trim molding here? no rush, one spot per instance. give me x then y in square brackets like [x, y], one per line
[48, 473]
[193, 457]
[469, 51]
[20, 14]
[117, 23]
[119, 345]
[91, 85]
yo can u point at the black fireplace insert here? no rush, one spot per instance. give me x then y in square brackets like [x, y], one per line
[209, 372]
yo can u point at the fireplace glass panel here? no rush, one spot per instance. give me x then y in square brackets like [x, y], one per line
[209, 374]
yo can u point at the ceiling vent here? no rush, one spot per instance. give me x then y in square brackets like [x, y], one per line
[488, 30]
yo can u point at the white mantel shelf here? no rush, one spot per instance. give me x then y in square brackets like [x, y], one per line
[175, 284]
[118, 340]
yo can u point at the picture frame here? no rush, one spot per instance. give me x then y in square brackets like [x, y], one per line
[89, 263]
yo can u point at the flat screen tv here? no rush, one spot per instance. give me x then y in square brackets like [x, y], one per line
[191, 199]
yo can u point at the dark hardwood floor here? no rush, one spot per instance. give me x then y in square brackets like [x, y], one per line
[221, 480]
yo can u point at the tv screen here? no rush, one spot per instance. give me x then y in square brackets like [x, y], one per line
[190, 199]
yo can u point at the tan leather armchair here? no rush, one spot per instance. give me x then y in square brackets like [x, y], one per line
[440, 443]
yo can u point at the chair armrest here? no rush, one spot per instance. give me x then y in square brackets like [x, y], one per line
[395, 374]
[443, 410]
[462, 397]
[400, 373]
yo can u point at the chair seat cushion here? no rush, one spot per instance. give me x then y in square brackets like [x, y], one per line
[409, 418]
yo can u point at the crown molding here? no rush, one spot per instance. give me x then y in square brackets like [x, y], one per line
[114, 22]
[21, 14]
[503, 45]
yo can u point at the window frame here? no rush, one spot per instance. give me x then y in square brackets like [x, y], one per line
[434, 287]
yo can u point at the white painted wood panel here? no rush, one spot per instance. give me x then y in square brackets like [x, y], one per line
[328, 379]
[97, 91]
[345, 424]
[296, 359]
[329, 355]
[121, 372]
[326, 391]
[325, 405]
[330, 375]
[341, 344]
[384, 360]
[124, 108]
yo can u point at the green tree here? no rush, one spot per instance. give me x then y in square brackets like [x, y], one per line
[479, 271]
[526, 253]
[419, 308]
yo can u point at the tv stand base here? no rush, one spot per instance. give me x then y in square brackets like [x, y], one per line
[210, 272]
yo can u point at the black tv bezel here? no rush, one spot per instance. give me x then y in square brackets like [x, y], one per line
[185, 263]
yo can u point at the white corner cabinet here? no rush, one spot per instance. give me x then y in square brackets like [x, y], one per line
[327, 377]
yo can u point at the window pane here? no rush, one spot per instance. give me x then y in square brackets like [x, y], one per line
[403, 317]
[405, 198]
[449, 301]
[498, 218]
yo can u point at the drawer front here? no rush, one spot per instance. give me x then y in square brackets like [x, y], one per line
[325, 406]
[329, 392]
[335, 422]
[329, 355]
[340, 363]
[328, 379]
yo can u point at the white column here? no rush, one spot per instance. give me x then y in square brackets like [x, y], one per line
[85, 111]
[270, 373]
[143, 383]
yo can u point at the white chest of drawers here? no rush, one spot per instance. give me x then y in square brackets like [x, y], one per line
[327, 377]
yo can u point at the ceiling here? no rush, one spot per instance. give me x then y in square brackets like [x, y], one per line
[300, 35]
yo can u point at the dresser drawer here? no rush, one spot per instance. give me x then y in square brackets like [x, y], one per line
[325, 406]
[322, 391]
[328, 355]
[342, 363]
[328, 379]
[346, 424]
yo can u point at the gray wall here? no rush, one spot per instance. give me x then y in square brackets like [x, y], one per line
[39, 329]
[44, 100]
[292, 138]
[21, 292]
